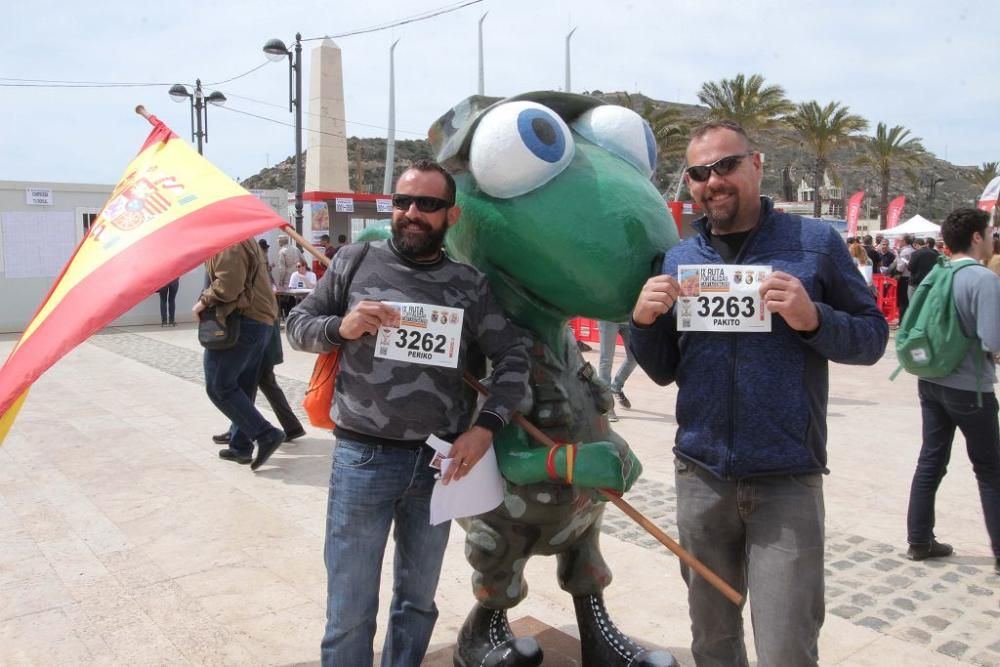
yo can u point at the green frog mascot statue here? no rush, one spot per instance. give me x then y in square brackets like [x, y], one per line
[558, 211]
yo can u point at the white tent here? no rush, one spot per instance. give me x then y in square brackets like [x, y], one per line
[917, 225]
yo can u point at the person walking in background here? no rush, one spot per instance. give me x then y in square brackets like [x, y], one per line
[609, 336]
[268, 385]
[240, 289]
[963, 399]
[168, 302]
[921, 263]
[871, 252]
[288, 258]
[902, 267]
[318, 267]
[860, 257]
[885, 257]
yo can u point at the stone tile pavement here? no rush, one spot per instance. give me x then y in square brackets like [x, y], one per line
[125, 540]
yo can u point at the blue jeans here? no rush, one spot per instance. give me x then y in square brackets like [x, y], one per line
[943, 409]
[609, 332]
[231, 383]
[168, 300]
[371, 487]
[762, 535]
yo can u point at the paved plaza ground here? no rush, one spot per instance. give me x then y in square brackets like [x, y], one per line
[125, 540]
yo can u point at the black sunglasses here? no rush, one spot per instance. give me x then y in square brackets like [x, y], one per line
[424, 204]
[723, 167]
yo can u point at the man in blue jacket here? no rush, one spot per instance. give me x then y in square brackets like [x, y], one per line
[751, 404]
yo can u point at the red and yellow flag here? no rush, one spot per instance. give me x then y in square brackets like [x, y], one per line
[170, 212]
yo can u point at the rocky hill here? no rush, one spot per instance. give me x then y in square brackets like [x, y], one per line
[939, 186]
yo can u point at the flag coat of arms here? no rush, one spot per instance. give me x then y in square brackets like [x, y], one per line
[170, 212]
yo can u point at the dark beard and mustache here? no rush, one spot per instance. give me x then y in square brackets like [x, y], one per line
[722, 220]
[416, 246]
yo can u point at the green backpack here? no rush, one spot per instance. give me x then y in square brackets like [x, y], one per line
[930, 342]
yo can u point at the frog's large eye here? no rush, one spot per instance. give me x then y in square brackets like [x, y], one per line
[519, 147]
[620, 131]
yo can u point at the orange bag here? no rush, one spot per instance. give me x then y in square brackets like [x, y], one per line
[319, 395]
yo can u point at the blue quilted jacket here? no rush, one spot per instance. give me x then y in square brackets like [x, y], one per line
[752, 404]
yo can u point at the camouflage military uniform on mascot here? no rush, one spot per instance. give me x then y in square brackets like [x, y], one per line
[559, 212]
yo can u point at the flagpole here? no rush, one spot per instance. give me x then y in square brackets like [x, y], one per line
[711, 577]
[141, 110]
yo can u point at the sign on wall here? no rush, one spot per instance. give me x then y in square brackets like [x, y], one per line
[345, 205]
[38, 196]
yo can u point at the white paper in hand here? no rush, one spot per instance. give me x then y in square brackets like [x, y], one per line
[481, 490]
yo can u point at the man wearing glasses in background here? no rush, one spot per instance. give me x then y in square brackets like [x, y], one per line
[386, 408]
[751, 406]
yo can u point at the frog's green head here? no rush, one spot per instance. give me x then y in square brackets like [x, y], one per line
[557, 206]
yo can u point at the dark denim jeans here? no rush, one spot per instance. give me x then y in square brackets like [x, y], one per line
[609, 334]
[231, 383]
[943, 409]
[373, 487]
[168, 301]
[762, 535]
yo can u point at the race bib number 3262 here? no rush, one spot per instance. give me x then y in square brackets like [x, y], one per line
[722, 297]
[423, 334]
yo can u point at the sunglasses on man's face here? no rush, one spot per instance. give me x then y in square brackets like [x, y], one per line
[722, 167]
[424, 204]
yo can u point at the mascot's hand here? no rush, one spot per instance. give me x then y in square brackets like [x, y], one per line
[602, 465]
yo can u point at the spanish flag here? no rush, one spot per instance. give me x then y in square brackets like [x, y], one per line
[170, 212]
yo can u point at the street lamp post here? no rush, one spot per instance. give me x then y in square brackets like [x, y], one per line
[276, 50]
[199, 108]
[568, 37]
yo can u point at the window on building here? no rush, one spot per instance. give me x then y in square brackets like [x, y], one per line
[88, 220]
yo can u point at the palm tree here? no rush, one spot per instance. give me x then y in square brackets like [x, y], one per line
[981, 176]
[820, 130]
[747, 101]
[890, 147]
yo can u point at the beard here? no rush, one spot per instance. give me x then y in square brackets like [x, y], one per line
[723, 214]
[423, 244]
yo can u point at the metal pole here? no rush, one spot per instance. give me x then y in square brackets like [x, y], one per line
[299, 180]
[568, 59]
[390, 143]
[199, 104]
[482, 75]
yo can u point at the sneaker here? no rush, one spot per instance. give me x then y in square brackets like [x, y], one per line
[933, 550]
[267, 445]
[612, 417]
[221, 439]
[622, 399]
[230, 454]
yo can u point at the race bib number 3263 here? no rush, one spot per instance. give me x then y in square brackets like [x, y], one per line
[423, 334]
[722, 297]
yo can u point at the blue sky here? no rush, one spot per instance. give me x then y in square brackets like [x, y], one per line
[930, 66]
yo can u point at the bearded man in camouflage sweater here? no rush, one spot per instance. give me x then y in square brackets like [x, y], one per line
[392, 393]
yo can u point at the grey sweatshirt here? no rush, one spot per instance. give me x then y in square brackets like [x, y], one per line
[977, 298]
[397, 400]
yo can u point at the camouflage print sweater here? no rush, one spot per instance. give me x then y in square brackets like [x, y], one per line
[395, 400]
